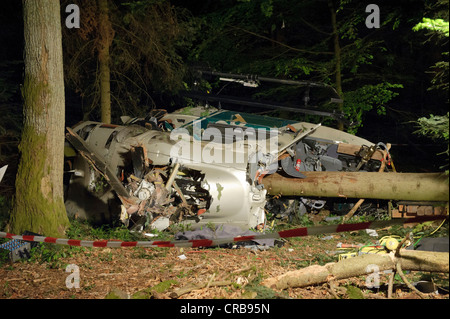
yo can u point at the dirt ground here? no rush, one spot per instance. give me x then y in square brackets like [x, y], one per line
[166, 273]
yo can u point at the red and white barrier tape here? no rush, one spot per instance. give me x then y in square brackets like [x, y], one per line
[297, 232]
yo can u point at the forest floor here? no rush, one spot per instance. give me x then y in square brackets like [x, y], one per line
[214, 273]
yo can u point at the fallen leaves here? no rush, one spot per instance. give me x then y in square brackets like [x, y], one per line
[159, 273]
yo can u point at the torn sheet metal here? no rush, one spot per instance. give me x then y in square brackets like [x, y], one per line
[196, 166]
[223, 231]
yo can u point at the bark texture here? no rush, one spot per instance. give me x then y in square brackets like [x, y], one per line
[39, 203]
[106, 35]
[389, 186]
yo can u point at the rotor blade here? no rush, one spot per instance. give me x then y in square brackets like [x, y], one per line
[238, 101]
[270, 80]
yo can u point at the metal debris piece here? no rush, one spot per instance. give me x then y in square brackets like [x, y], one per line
[2, 172]
[18, 249]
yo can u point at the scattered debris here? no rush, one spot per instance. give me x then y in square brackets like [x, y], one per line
[426, 287]
[440, 244]
[372, 232]
[18, 249]
[2, 172]
[228, 231]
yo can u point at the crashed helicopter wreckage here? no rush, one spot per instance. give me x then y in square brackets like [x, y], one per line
[199, 166]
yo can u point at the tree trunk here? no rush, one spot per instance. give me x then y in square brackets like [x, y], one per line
[106, 35]
[389, 186]
[39, 203]
[337, 57]
[359, 266]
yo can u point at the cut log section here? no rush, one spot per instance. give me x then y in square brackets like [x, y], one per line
[375, 185]
[359, 266]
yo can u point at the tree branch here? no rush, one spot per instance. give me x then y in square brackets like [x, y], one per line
[278, 42]
[358, 266]
[315, 28]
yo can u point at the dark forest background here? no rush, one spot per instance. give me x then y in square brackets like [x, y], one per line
[389, 77]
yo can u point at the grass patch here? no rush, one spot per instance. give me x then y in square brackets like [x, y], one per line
[160, 288]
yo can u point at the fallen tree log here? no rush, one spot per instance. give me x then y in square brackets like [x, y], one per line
[359, 266]
[375, 185]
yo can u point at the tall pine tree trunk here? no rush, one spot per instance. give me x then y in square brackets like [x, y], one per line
[337, 57]
[106, 35]
[39, 200]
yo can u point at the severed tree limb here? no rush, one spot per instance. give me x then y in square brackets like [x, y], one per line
[406, 281]
[391, 284]
[359, 203]
[332, 286]
[359, 266]
[399, 269]
[352, 211]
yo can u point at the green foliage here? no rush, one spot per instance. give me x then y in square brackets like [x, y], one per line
[146, 55]
[294, 40]
[4, 256]
[52, 255]
[84, 230]
[154, 42]
[164, 286]
[267, 8]
[440, 79]
[148, 293]
[296, 68]
[8, 87]
[366, 98]
[440, 28]
[436, 127]
[354, 292]
[255, 290]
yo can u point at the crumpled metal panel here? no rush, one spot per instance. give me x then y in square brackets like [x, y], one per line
[219, 176]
